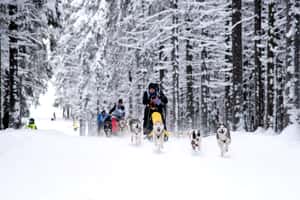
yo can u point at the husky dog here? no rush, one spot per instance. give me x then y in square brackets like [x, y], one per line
[107, 128]
[122, 125]
[196, 140]
[223, 138]
[158, 130]
[158, 135]
[135, 127]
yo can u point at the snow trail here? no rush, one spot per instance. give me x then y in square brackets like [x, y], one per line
[55, 165]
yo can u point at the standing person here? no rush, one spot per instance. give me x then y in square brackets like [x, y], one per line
[154, 101]
[31, 124]
[75, 124]
[102, 117]
[117, 113]
[54, 117]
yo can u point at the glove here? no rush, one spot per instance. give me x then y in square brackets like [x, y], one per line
[157, 101]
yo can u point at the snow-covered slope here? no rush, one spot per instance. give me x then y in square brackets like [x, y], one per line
[53, 165]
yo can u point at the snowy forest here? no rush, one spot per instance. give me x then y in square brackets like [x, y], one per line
[235, 61]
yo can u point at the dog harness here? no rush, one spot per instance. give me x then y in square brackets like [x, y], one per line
[156, 118]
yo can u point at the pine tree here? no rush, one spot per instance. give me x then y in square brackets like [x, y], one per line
[297, 55]
[228, 117]
[259, 68]
[271, 45]
[290, 4]
[204, 92]
[24, 29]
[280, 69]
[248, 68]
[189, 73]
[0, 82]
[237, 73]
[11, 93]
[175, 64]
[210, 66]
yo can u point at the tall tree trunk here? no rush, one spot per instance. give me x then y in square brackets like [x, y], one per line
[204, 93]
[280, 73]
[13, 68]
[288, 61]
[141, 84]
[0, 82]
[175, 64]
[259, 68]
[130, 94]
[297, 57]
[279, 103]
[270, 66]
[249, 107]
[280, 69]
[161, 61]
[237, 73]
[82, 116]
[97, 71]
[189, 76]
[162, 58]
[228, 60]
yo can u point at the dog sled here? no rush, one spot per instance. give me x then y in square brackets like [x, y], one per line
[113, 126]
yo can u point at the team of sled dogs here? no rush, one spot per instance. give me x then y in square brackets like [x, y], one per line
[157, 135]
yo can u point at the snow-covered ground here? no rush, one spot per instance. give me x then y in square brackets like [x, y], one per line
[54, 163]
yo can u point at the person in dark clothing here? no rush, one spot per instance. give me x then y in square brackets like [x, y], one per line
[118, 111]
[101, 118]
[154, 101]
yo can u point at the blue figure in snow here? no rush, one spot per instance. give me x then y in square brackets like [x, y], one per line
[101, 118]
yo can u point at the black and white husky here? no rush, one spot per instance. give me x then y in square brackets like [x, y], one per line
[135, 127]
[196, 140]
[223, 139]
[107, 128]
[158, 135]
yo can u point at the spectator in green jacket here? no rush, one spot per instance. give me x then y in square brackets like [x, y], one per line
[31, 124]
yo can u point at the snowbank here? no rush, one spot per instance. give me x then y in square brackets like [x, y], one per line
[292, 132]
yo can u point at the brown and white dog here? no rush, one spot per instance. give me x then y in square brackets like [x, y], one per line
[196, 139]
[135, 127]
[223, 138]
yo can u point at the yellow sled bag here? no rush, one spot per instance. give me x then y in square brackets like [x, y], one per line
[156, 118]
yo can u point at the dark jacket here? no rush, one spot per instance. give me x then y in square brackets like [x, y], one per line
[115, 111]
[148, 100]
[153, 106]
